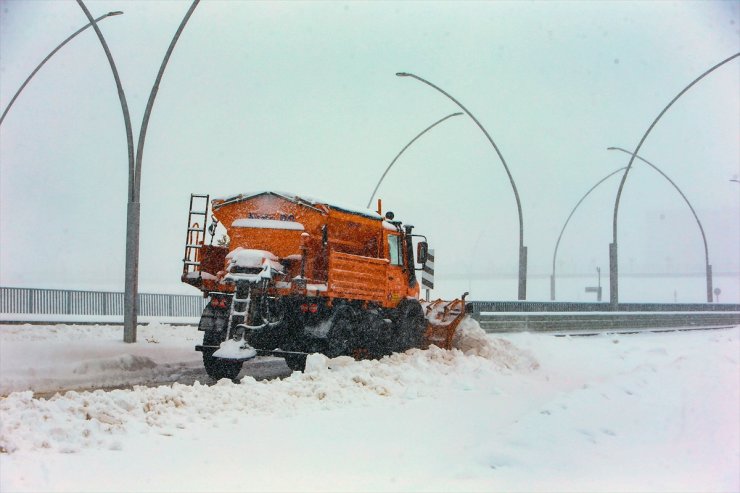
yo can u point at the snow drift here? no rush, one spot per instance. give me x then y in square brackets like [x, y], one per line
[512, 412]
[77, 420]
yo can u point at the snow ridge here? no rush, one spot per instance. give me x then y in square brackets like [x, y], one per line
[80, 420]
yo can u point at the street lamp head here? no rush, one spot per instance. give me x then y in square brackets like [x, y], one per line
[403, 74]
[117, 12]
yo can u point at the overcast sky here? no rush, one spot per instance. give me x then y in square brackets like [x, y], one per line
[302, 97]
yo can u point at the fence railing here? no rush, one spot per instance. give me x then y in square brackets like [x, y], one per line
[592, 306]
[68, 302]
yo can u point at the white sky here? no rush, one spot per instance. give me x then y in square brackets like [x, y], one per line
[303, 97]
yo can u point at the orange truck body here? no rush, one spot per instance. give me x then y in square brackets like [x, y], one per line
[300, 275]
[347, 253]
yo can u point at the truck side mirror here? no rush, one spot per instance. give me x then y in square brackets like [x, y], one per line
[422, 249]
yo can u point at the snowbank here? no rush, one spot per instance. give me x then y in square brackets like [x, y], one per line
[56, 357]
[77, 420]
[516, 412]
[472, 340]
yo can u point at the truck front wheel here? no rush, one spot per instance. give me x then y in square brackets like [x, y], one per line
[296, 362]
[410, 325]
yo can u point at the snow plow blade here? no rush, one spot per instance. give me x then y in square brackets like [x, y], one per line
[443, 317]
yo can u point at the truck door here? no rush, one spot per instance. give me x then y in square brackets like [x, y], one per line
[397, 286]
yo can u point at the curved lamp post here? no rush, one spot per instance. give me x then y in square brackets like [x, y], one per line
[134, 184]
[38, 67]
[613, 255]
[698, 222]
[557, 244]
[522, 292]
[701, 229]
[375, 190]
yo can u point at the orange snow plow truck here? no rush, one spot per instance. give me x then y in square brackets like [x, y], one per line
[294, 276]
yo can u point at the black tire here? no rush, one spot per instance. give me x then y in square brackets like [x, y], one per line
[410, 325]
[375, 335]
[218, 368]
[296, 362]
[340, 339]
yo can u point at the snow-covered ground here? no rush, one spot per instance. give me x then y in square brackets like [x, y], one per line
[513, 412]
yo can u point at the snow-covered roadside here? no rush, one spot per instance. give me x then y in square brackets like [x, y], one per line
[53, 357]
[520, 412]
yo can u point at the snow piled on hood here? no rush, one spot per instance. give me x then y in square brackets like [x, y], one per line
[79, 420]
[246, 257]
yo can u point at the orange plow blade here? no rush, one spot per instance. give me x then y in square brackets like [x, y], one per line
[443, 317]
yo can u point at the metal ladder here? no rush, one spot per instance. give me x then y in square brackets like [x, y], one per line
[196, 234]
[238, 316]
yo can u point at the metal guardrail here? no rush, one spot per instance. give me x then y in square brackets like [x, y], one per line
[69, 302]
[494, 316]
[590, 323]
[478, 307]
[585, 317]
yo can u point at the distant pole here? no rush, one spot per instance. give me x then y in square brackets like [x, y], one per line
[701, 229]
[613, 249]
[562, 230]
[708, 267]
[375, 190]
[522, 292]
[38, 67]
[133, 208]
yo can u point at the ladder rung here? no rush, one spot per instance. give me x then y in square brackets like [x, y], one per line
[188, 262]
[194, 246]
[196, 229]
[198, 212]
[199, 196]
[240, 300]
[239, 313]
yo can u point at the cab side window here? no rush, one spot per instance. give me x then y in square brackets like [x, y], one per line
[394, 249]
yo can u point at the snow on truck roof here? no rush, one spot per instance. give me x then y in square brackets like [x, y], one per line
[302, 200]
[267, 224]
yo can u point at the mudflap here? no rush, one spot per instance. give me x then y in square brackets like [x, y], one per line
[443, 317]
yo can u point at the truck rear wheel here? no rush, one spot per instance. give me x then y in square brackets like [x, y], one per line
[340, 338]
[218, 368]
